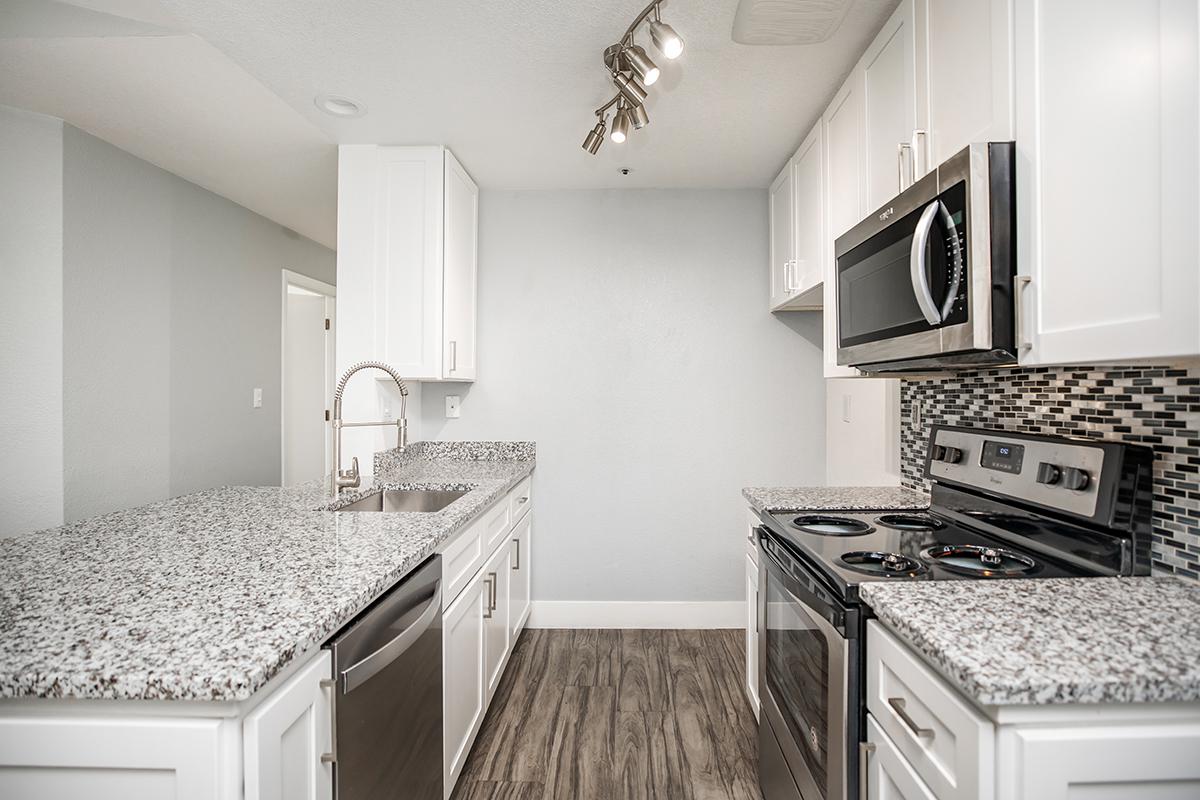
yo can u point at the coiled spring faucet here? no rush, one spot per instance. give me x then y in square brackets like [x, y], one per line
[351, 478]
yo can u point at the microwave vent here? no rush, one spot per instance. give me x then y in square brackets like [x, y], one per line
[783, 22]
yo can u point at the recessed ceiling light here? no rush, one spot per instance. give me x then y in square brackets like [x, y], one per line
[337, 106]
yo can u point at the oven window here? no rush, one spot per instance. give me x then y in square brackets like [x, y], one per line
[797, 674]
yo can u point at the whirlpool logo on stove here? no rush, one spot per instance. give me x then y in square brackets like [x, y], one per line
[814, 738]
[887, 214]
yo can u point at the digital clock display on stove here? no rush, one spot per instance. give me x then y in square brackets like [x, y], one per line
[1002, 456]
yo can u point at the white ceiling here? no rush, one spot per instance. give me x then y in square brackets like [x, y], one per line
[508, 85]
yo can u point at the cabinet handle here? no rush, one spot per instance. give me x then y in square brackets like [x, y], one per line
[490, 580]
[898, 704]
[918, 133]
[900, 148]
[453, 355]
[517, 568]
[1022, 283]
[331, 685]
[492, 601]
[865, 749]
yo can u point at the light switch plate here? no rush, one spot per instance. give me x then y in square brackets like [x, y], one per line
[453, 406]
[257, 398]
[845, 408]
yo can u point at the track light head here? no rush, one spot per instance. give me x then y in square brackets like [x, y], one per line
[620, 129]
[631, 88]
[636, 59]
[666, 39]
[595, 138]
[639, 117]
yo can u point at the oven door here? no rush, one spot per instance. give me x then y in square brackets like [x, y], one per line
[805, 667]
[915, 280]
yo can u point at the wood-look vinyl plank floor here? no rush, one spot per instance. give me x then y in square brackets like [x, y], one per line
[618, 715]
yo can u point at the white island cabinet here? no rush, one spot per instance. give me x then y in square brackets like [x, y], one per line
[927, 741]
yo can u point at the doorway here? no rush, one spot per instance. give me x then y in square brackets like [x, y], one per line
[307, 378]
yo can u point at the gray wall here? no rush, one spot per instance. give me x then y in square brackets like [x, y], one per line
[627, 332]
[172, 316]
[31, 384]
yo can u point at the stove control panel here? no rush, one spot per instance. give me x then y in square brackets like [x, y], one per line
[1057, 473]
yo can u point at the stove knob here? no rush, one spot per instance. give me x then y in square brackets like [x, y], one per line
[953, 455]
[937, 452]
[1075, 479]
[1048, 473]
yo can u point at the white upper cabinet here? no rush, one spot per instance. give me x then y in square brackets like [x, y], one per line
[890, 106]
[964, 76]
[1108, 180]
[782, 245]
[406, 261]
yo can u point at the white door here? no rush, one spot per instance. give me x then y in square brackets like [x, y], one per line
[1108, 180]
[462, 676]
[462, 219]
[519, 579]
[781, 245]
[889, 776]
[964, 71]
[285, 737]
[495, 625]
[308, 379]
[890, 101]
[808, 173]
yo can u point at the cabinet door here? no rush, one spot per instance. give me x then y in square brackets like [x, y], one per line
[519, 575]
[889, 776]
[408, 260]
[461, 253]
[752, 633]
[1108, 180]
[462, 675]
[890, 103]
[286, 735]
[964, 71]
[780, 215]
[1156, 761]
[808, 188]
[495, 577]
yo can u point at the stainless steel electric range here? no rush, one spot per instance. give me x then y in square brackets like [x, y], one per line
[1004, 506]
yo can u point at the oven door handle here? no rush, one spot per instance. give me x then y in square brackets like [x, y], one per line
[917, 267]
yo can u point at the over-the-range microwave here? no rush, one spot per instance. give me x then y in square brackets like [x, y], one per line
[926, 282]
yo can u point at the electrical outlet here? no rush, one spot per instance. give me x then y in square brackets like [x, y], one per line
[257, 401]
[453, 406]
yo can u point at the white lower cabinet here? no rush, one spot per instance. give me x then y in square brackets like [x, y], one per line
[926, 740]
[888, 775]
[462, 676]
[486, 607]
[284, 739]
[752, 633]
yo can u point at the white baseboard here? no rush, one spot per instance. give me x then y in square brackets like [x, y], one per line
[620, 614]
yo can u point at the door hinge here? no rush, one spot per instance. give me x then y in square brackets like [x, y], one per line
[327, 415]
[327, 323]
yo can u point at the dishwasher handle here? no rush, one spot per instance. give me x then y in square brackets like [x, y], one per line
[362, 671]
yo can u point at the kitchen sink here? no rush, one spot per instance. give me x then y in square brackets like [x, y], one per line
[426, 500]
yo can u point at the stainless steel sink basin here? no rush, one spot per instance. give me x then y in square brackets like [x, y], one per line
[426, 500]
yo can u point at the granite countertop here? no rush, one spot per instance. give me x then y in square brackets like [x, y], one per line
[1053, 640]
[767, 499]
[209, 595]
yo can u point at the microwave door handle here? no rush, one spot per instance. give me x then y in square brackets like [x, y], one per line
[920, 280]
[956, 259]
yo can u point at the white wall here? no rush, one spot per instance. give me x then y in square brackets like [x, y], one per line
[31, 383]
[173, 312]
[862, 431]
[627, 332]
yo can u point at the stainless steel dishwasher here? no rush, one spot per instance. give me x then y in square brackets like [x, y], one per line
[387, 672]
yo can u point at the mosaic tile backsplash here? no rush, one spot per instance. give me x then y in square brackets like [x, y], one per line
[1154, 406]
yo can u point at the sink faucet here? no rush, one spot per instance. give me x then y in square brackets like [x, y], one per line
[350, 479]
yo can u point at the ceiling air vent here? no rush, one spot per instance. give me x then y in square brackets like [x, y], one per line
[788, 21]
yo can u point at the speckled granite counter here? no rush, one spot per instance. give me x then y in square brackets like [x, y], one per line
[1054, 640]
[207, 596]
[833, 498]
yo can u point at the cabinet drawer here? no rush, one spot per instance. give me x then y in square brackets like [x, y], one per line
[947, 741]
[496, 525]
[520, 499]
[462, 557]
[888, 776]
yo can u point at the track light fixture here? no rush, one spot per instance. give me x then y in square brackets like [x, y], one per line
[632, 70]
